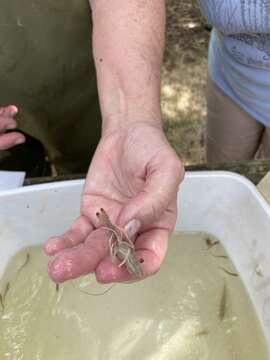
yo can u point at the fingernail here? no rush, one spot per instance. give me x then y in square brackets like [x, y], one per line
[132, 227]
[19, 141]
[50, 248]
[14, 109]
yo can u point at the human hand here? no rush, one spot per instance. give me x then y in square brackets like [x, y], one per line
[134, 176]
[7, 122]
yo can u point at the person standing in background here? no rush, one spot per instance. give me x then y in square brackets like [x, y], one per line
[238, 95]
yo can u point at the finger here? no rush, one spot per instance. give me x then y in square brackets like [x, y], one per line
[9, 140]
[7, 123]
[83, 259]
[162, 183]
[77, 234]
[151, 248]
[10, 110]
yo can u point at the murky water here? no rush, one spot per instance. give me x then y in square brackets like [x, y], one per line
[193, 309]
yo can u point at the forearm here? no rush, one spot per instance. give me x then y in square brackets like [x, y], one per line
[128, 43]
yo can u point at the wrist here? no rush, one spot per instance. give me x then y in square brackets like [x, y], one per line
[118, 122]
[126, 111]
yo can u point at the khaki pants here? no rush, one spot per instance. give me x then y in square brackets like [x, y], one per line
[46, 69]
[232, 134]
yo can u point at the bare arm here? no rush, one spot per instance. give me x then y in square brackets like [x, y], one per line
[134, 174]
[128, 43]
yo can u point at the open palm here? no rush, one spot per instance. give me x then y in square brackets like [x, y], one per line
[134, 176]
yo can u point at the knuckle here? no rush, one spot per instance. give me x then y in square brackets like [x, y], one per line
[177, 168]
[7, 123]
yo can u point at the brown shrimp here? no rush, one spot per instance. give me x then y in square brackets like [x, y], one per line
[121, 246]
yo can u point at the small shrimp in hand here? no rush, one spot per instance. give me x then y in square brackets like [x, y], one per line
[121, 246]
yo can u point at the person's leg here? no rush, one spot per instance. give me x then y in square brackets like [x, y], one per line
[232, 134]
[71, 145]
[265, 145]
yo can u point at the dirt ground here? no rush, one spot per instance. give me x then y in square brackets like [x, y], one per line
[184, 80]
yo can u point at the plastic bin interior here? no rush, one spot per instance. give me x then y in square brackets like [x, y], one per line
[221, 203]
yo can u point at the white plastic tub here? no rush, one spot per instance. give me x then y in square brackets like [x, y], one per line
[221, 203]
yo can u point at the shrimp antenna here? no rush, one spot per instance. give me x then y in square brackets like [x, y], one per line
[90, 293]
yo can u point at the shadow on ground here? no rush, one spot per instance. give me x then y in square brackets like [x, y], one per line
[184, 80]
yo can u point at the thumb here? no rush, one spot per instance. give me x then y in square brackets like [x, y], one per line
[148, 205]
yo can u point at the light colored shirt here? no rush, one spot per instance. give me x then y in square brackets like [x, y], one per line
[239, 52]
